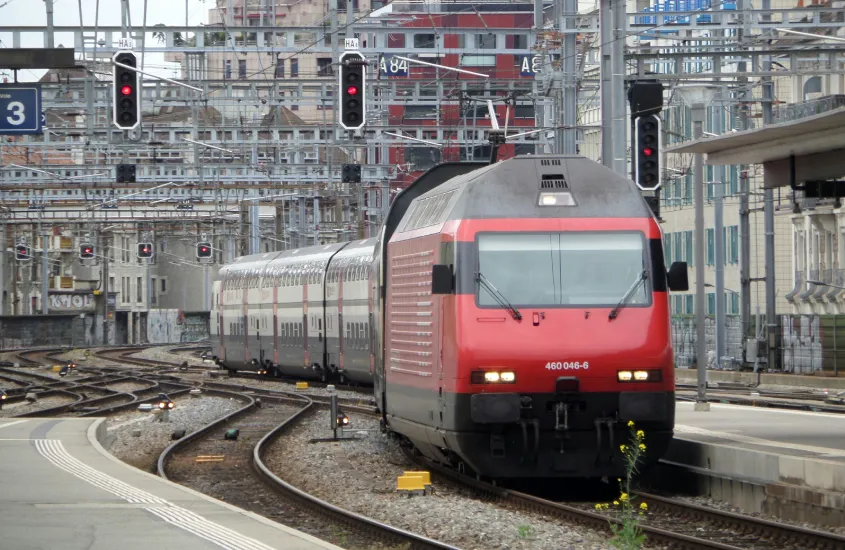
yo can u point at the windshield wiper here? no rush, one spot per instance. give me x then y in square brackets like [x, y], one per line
[624, 301]
[481, 279]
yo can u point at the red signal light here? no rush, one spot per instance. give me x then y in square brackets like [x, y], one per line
[648, 151]
[352, 90]
[126, 90]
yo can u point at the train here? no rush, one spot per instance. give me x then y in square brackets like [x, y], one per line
[512, 317]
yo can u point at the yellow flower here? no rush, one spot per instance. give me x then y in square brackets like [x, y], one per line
[623, 447]
[598, 506]
[642, 446]
[630, 423]
[623, 497]
[640, 434]
[643, 506]
[616, 502]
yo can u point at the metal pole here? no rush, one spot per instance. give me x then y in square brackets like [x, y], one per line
[45, 270]
[280, 227]
[3, 241]
[49, 6]
[701, 404]
[721, 344]
[720, 273]
[570, 84]
[769, 217]
[254, 221]
[104, 284]
[744, 232]
[606, 41]
[206, 302]
[620, 138]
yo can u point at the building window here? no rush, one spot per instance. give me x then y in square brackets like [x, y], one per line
[733, 244]
[140, 288]
[227, 69]
[734, 309]
[667, 248]
[324, 66]
[242, 68]
[294, 67]
[711, 303]
[679, 248]
[689, 304]
[280, 67]
[688, 245]
[164, 285]
[711, 246]
[516, 41]
[424, 41]
[153, 291]
[485, 41]
[111, 285]
[468, 60]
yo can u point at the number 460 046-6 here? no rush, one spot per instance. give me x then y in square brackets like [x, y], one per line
[567, 365]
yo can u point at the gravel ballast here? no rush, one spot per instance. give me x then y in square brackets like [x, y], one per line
[360, 475]
[189, 414]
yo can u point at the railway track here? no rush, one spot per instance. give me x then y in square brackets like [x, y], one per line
[261, 492]
[669, 522]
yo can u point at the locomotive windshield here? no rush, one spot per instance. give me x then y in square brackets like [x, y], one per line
[563, 269]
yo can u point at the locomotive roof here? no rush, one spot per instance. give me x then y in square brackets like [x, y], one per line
[511, 189]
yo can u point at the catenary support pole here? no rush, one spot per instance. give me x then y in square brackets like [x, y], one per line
[698, 112]
[570, 77]
[620, 138]
[769, 219]
[721, 245]
[606, 72]
[45, 271]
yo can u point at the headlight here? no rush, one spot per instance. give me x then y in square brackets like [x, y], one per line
[492, 377]
[651, 375]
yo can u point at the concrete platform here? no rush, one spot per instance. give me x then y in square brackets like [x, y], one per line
[785, 463]
[773, 380]
[62, 489]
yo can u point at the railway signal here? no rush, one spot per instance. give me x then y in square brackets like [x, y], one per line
[22, 252]
[647, 163]
[203, 250]
[353, 92]
[3, 397]
[86, 251]
[125, 173]
[145, 250]
[351, 173]
[126, 97]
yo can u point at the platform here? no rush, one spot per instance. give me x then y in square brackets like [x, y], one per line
[765, 379]
[61, 489]
[786, 463]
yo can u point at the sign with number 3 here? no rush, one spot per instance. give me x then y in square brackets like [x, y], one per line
[20, 109]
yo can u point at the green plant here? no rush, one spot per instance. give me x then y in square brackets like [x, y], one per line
[628, 535]
[526, 531]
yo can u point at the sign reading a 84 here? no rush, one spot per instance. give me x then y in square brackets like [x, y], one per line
[388, 65]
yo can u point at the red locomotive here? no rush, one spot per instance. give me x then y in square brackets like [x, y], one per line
[512, 317]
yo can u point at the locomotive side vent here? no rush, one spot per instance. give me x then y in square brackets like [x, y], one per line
[550, 162]
[553, 181]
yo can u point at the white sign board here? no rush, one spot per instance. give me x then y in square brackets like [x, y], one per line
[126, 43]
[350, 43]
